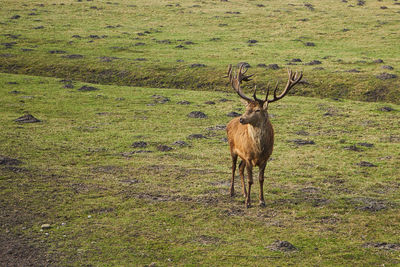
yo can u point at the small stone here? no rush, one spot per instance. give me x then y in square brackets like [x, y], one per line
[45, 226]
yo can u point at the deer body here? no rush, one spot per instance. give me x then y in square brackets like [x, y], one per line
[251, 137]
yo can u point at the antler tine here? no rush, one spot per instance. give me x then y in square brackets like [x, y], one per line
[293, 79]
[236, 80]
[255, 96]
[266, 97]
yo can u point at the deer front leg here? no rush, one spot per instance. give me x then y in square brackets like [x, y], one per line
[250, 182]
[234, 160]
[242, 165]
[261, 180]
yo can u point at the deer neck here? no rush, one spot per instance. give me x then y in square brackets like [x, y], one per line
[258, 132]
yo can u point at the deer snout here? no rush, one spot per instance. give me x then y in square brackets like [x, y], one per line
[242, 121]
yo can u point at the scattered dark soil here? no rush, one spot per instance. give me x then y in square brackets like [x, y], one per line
[302, 142]
[209, 102]
[376, 94]
[387, 109]
[28, 118]
[217, 128]
[73, 56]
[107, 59]
[180, 143]
[197, 114]
[273, 66]
[21, 251]
[353, 71]
[57, 52]
[370, 204]
[15, 17]
[198, 65]
[383, 245]
[184, 102]
[296, 60]
[386, 76]
[245, 65]
[15, 92]
[387, 67]
[159, 99]
[233, 114]
[68, 86]
[313, 62]
[309, 44]
[196, 136]
[252, 41]
[88, 88]
[366, 164]
[139, 144]
[207, 240]
[164, 148]
[302, 132]
[353, 148]
[284, 246]
[366, 144]
[9, 161]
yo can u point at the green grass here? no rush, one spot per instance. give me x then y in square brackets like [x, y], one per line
[143, 37]
[108, 206]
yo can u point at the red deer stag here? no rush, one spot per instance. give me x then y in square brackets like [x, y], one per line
[251, 136]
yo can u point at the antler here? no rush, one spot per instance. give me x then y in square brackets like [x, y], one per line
[294, 78]
[236, 80]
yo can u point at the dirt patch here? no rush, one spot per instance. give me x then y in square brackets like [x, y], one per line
[233, 114]
[139, 144]
[207, 240]
[196, 136]
[88, 88]
[164, 148]
[284, 246]
[9, 161]
[21, 251]
[383, 245]
[159, 99]
[386, 76]
[197, 114]
[301, 142]
[370, 204]
[366, 164]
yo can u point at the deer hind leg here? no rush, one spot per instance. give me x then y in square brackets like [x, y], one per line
[250, 182]
[261, 180]
[242, 165]
[234, 160]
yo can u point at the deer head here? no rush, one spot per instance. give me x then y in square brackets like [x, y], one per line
[256, 109]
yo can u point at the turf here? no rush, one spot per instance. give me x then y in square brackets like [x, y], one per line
[110, 200]
[348, 49]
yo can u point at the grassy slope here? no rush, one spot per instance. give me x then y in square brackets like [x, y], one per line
[110, 207]
[144, 35]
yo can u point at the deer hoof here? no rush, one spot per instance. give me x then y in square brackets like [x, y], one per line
[248, 205]
[262, 203]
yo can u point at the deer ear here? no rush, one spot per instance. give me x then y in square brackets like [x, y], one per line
[265, 105]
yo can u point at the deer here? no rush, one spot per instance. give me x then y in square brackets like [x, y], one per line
[251, 136]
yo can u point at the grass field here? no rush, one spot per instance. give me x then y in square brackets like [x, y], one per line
[347, 48]
[116, 172]
[110, 201]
